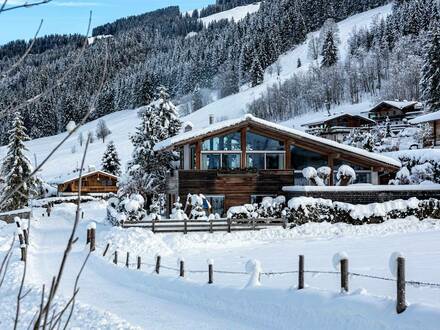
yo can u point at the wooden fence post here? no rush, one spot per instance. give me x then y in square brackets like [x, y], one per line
[26, 236]
[211, 229]
[344, 275]
[229, 225]
[82, 215]
[22, 245]
[127, 261]
[185, 227]
[210, 271]
[106, 249]
[153, 226]
[301, 272]
[285, 222]
[139, 263]
[401, 302]
[182, 268]
[88, 236]
[157, 264]
[92, 239]
[115, 259]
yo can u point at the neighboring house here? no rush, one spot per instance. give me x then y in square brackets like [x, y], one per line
[240, 161]
[93, 182]
[433, 119]
[398, 112]
[338, 126]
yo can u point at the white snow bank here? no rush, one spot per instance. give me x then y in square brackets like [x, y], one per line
[362, 187]
[236, 14]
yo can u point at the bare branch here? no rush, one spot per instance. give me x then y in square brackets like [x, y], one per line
[20, 295]
[5, 262]
[24, 5]
[26, 53]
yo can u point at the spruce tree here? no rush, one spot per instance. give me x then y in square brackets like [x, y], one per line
[17, 168]
[430, 82]
[147, 169]
[257, 72]
[110, 160]
[329, 51]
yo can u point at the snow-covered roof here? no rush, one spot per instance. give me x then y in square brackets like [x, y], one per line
[396, 104]
[335, 116]
[187, 136]
[75, 176]
[426, 118]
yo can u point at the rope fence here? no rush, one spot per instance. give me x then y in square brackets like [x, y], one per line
[254, 270]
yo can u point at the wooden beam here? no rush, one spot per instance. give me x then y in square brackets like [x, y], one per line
[198, 155]
[288, 158]
[243, 147]
[331, 165]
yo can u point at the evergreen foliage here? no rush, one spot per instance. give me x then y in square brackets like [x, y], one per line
[17, 168]
[329, 51]
[102, 131]
[111, 162]
[430, 82]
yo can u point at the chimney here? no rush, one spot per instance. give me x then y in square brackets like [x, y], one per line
[211, 119]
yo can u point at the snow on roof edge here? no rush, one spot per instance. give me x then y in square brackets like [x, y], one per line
[316, 122]
[248, 117]
[74, 176]
[426, 118]
[362, 187]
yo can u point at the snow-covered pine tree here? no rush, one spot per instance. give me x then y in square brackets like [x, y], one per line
[110, 160]
[102, 131]
[257, 72]
[17, 168]
[329, 51]
[430, 82]
[197, 102]
[147, 169]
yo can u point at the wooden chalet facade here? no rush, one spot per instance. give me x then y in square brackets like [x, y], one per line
[241, 161]
[93, 182]
[433, 119]
[396, 111]
[336, 127]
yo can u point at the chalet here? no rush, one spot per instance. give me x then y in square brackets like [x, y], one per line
[398, 112]
[243, 160]
[433, 119]
[338, 126]
[93, 182]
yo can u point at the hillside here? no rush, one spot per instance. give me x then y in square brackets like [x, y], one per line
[236, 14]
[123, 123]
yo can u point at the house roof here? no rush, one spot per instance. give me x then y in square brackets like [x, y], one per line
[294, 133]
[426, 118]
[75, 176]
[335, 116]
[395, 104]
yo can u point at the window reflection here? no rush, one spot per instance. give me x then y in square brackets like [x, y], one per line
[229, 142]
[256, 142]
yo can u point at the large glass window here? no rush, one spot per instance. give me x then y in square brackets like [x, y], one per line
[211, 161]
[302, 158]
[274, 161]
[217, 204]
[256, 161]
[229, 142]
[257, 142]
[231, 161]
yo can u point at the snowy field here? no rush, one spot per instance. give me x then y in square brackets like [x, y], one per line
[112, 297]
[123, 123]
[236, 14]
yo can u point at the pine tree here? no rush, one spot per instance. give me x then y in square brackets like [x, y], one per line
[329, 51]
[17, 168]
[257, 73]
[430, 82]
[148, 169]
[110, 160]
[197, 102]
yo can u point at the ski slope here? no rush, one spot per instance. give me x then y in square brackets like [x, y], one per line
[123, 123]
[113, 297]
[236, 14]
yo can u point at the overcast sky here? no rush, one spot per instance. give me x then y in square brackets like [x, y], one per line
[71, 16]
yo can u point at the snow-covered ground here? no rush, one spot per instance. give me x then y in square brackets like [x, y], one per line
[123, 123]
[236, 14]
[114, 297]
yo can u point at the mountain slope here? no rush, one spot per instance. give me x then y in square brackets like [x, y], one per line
[123, 123]
[236, 14]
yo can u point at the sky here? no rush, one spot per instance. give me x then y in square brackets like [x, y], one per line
[71, 16]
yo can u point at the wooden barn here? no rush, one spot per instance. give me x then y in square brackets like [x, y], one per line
[433, 119]
[338, 126]
[240, 161]
[93, 182]
[396, 111]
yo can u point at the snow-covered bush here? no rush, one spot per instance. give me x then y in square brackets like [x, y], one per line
[311, 175]
[129, 208]
[177, 213]
[268, 208]
[197, 203]
[418, 166]
[324, 173]
[345, 176]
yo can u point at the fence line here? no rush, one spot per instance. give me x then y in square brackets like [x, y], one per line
[344, 272]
